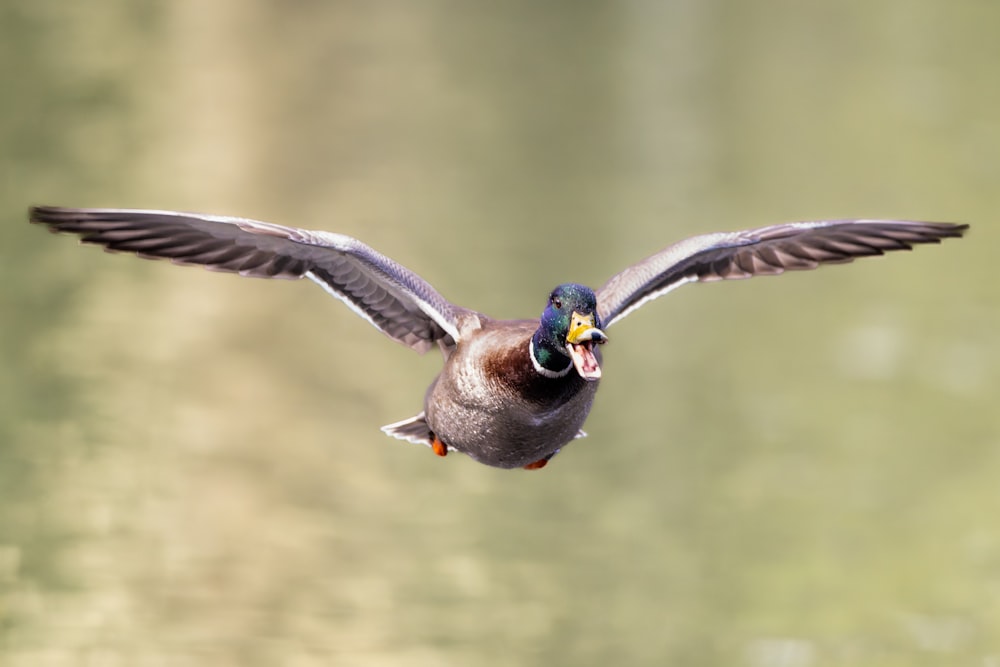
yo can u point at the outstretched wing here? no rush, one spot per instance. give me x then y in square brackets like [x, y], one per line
[760, 252]
[395, 300]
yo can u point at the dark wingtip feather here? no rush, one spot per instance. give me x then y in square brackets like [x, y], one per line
[58, 218]
[37, 213]
[45, 215]
[943, 230]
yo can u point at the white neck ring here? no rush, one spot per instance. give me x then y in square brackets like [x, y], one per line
[545, 372]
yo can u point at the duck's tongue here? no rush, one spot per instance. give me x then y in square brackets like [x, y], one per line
[584, 360]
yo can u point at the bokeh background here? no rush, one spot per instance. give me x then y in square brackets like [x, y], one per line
[793, 472]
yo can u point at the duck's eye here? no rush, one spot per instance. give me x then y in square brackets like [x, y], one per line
[557, 302]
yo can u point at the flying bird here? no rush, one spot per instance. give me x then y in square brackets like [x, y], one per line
[512, 393]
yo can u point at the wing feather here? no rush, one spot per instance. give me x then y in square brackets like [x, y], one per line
[761, 252]
[392, 298]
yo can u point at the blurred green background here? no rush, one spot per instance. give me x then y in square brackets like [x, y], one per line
[793, 472]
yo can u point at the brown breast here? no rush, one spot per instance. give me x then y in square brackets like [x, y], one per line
[513, 370]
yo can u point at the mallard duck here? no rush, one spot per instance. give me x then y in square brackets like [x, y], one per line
[512, 393]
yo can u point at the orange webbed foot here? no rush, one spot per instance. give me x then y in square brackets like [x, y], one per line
[537, 465]
[439, 447]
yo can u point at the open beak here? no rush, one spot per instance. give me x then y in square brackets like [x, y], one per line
[580, 341]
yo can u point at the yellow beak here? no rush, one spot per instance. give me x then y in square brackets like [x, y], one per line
[583, 329]
[580, 341]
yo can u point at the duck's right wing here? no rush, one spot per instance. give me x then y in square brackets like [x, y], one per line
[398, 302]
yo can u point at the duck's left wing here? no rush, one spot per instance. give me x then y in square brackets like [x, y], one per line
[760, 252]
[395, 300]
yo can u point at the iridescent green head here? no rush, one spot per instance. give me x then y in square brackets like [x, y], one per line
[567, 333]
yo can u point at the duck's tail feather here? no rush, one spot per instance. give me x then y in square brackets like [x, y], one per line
[414, 429]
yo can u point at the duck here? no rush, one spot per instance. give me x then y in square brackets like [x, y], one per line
[511, 393]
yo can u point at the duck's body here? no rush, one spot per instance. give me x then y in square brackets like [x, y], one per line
[491, 403]
[511, 393]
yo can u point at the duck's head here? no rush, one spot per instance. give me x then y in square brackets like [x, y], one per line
[567, 333]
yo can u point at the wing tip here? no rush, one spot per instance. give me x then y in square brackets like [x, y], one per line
[46, 215]
[943, 230]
